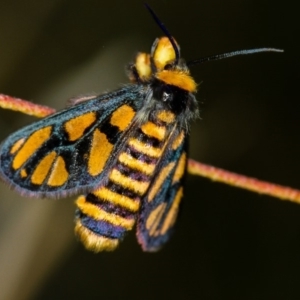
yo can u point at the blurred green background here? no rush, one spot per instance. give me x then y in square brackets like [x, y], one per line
[230, 243]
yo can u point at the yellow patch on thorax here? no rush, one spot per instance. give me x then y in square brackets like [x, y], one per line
[179, 78]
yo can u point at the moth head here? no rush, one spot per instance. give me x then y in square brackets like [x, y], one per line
[163, 64]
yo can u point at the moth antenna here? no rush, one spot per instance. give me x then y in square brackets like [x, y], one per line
[165, 31]
[231, 54]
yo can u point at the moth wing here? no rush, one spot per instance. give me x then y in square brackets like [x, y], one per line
[68, 152]
[160, 207]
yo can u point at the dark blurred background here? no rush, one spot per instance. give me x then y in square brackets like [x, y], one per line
[229, 243]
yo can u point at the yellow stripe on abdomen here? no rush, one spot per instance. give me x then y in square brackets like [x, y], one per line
[145, 148]
[153, 130]
[136, 164]
[139, 187]
[94, 242]
[117, 199]
[99, 214]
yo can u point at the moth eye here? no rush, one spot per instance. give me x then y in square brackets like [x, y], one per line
[168, 67]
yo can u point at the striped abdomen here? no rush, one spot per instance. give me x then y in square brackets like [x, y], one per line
[105, 215]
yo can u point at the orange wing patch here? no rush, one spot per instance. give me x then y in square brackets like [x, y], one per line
[100, 151]
[177, 142]
[31, 145]
[75, 127]
[122, 117]
[160, 180]
[172, 213]
[154, 219]
[180, 169]
[156, 216]
[16, 146]
[59, 174]
[23, 173]
[41, 171]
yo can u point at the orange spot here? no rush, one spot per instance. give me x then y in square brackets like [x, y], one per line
[94, 242]
[173, 212]
[17, 145]
[23, 173]
[43, 168]
[145, 149]
[180, 169]
[178, 78]
[75, 127]
[100, 151]
[153, 130]
[178, 140]
[59, 174]
[163, 52]
[160, 180]
[166, 116]
[31, 145]
[99, 214]
[139, 187]
[154, 218]
[117, 199]
[136, 164]
[122, 117]
[143, 66]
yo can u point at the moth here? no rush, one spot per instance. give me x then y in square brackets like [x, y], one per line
[124, 151]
